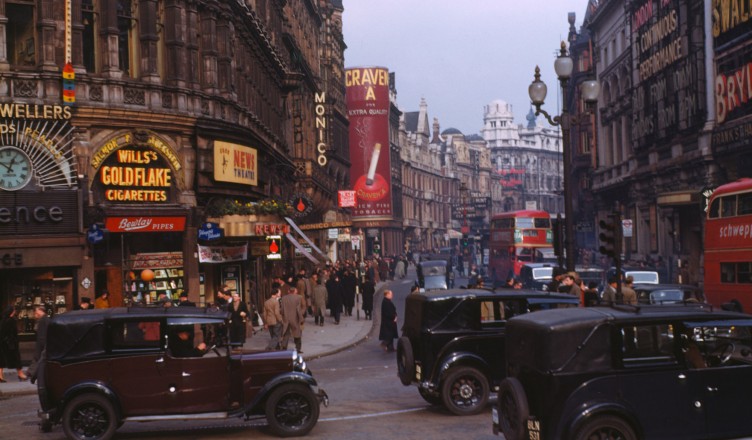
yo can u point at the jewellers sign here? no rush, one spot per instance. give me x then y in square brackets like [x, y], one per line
[145, 224]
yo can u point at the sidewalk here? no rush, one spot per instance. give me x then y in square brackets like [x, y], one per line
[317, 342]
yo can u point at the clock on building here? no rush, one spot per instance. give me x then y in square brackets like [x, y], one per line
[15, 168]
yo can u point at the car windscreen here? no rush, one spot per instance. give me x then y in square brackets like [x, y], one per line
[543, 272]
[666, 296]
[435, 282]
[644, 277]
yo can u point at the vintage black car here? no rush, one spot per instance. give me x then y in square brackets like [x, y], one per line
[668, 293]
[452, 344]
[110, 366]
[536, 276]
[433, 274]
[645, 372]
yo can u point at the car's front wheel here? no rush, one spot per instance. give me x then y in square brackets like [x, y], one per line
[513, 409]
[465, 391]
[292, 410]
[89, 417]
[431, 398]
[606, 427]
[405, 361]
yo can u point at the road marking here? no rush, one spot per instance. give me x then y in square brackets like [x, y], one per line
[364, 416]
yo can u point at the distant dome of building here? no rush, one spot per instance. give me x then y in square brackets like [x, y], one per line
[450, 130]
[474, 137]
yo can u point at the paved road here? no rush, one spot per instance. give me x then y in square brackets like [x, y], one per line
[367, 402]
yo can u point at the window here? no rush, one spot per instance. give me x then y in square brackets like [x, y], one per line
[728, 206]
[647, 345]
[19, 33]
[135, 335]
[127, 42]
[89, 35]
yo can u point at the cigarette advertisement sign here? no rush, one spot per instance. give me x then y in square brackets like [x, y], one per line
[368, 111]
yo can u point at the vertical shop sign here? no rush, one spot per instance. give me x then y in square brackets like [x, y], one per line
[368, 111]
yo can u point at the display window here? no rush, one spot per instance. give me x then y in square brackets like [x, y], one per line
[27, 288]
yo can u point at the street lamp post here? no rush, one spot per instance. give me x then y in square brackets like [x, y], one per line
[537, 91]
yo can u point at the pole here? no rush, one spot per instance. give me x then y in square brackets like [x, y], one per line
[566, 155]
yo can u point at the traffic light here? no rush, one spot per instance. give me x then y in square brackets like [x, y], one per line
[465, 241]
[558, 239]
[610, 236]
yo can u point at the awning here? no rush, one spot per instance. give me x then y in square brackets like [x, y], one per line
[454, 233]
[305, 237]
[300, 248]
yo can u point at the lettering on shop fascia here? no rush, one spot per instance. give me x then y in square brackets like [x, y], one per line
[11, 259]
[25, 214]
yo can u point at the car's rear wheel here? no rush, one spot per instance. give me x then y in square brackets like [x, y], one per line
[292, 410]
[432, 398]
[606, 428]
[513, 409]
[465, 391]
[405, 361]
[89, 417]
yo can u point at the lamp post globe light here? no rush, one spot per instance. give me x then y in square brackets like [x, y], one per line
[589, 91]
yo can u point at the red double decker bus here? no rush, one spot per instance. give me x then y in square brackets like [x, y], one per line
[517, 238]
[728, 246]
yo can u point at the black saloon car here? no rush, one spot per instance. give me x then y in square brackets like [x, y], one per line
[651, 372]
[452, 344]
[433, 274]
[109, 366]
[668, 293]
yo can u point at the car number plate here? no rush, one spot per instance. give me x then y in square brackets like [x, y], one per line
[533, 429]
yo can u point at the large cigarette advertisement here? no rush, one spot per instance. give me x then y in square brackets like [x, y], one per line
[368, 111]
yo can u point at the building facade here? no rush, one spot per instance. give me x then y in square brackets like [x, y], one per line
[176, 113]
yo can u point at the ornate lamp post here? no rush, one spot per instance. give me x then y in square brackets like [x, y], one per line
[537, 91]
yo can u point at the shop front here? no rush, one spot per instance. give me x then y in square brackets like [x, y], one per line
[41, 241]
[145, 253]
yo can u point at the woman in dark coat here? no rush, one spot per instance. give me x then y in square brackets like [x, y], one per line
[348, 289]
[238, 317]
[335, 290]
[369, 288]
[10, 355]
[388, 329]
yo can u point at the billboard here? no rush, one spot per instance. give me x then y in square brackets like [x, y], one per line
[368, 111]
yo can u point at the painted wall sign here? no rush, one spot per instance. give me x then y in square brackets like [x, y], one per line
[368, 111]
[145, 224]
[235, 163]
[31, 213]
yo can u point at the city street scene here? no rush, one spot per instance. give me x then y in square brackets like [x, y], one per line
[351, 219]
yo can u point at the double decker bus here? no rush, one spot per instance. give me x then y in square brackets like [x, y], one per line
[517, 238]
[728, 246]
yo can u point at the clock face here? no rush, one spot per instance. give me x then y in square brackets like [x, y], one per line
[15, 168]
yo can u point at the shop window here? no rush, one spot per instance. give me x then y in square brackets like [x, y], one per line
[127, 37]
[19, 34]
[89, 39]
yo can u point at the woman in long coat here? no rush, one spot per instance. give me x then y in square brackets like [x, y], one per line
[388, 329]
[335, 290]
[348, 290]
[10, 355]
[369, 288]
[238, 318]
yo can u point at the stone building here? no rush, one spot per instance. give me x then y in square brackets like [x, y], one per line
[184, 111]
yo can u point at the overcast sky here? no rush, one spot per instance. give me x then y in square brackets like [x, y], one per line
[460, 56]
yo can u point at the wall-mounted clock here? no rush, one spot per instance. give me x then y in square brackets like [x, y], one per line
[15, 168]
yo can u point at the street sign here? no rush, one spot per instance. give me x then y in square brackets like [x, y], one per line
[626, 226]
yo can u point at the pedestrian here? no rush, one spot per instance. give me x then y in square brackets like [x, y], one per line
[591, 295]
[273, 319]
[399, 270]
[570, 283]
[103, 300]
[334, 288]
[40, 346]
[292, 319]
[222, 297]
[628, 293]
[383, 269]
[238, 319]
[319, 297]
[609, 293]
[85, 304]
[348, 291]
[304, 290]
[369, 289]
[184, 302]
[388, 328]
[10, 355]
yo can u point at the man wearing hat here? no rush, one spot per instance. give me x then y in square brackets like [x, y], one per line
[183, 301]
[85, 303]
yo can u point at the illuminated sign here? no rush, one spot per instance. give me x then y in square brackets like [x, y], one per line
[320, 110]
[235, 163]
[135, 174]
[274, 247]
[145, 224]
